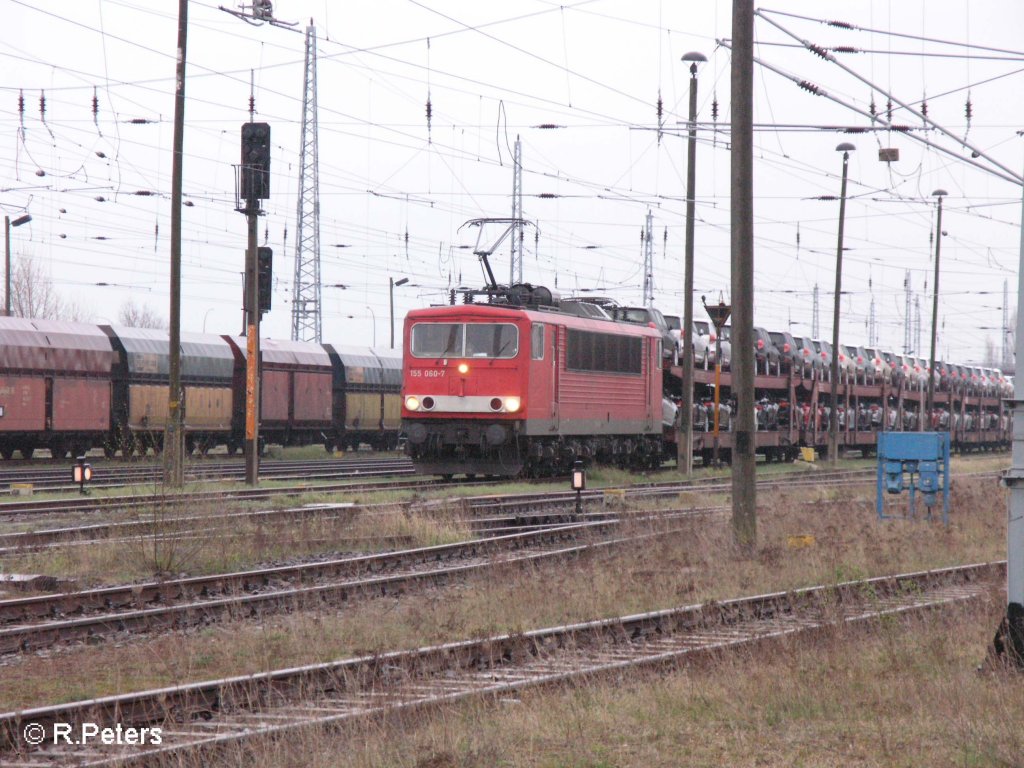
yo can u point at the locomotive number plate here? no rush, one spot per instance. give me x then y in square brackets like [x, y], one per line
[427, 373]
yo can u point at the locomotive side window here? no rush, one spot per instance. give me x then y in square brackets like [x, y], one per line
[437, 339]
[537, 341]
[604, 352]
[493, 340]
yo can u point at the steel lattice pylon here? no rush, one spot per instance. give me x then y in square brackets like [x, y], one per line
[307, 318]
[516, 269]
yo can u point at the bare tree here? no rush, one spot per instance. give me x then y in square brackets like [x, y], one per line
[140, 316]
[33, 294]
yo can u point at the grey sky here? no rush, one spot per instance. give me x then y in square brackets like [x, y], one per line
[494, 71]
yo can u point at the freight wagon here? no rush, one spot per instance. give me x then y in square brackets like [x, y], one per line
[55, 389]
[141, 383]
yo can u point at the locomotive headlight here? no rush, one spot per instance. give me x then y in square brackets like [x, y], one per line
[463, 368]
[512, 404]
[412, 403]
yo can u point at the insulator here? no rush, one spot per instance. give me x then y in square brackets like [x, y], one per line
[810, 87]
[714, 107]
[95, 106]
[840, 24]
[888, 109]
[100, 153]
[924, 106]
[143, 193]
[817, 50]
[872, 108]
[430, 111]
[451, 297]
[141, 121]
[660, 108]
[40, 172]
[21, 103]
[827, 198]
[547, 195]
[42, 106]
[968, 108]
[100, 199]
[844, 49]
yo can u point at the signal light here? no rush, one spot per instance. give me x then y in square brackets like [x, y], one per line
[256, 161]
[412, 403]
[265, 275]
[463, 368]
[512, 404]
[81, 473]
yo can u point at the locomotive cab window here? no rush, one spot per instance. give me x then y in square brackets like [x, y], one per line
[437, 339]
[478, 340]
[492, 340]
[537, 341]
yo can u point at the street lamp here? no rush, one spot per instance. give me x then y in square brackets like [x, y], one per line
[374, 316]
[391, 296]
[833, 418]
[939, 193]
[8, 223]
[684, 455]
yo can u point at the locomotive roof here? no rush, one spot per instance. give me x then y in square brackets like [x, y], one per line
[503, 312]
[42, 345]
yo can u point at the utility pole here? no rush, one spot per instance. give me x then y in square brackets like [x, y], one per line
[833, 416]
[1006, 327]
[174, 438]
[515, 274]
[684, 443]
[1008, 645]
[917, 324]
[744, 468]
[872, 321]
[906, 313]
[307, 316]
[939, 193]
[649, 261]
[815, 322]
[254, 175]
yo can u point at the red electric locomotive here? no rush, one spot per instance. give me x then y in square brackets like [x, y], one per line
[522, 386]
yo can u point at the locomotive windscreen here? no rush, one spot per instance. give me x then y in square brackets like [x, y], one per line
[486, 340]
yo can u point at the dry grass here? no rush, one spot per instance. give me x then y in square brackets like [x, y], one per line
[904, 694]
[695, 564]
[210, 544]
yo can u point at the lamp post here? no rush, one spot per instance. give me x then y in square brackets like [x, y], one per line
[8, 223]
[939, 193]
[684, 455]
[374, 316]
[833, 418]
[391, 298]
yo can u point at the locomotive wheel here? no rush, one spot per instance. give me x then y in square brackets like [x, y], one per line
[190, 445]
[26, 452]
[447, 477]
[58, 450]
[329, 446]
[7, 453]
[108, 450]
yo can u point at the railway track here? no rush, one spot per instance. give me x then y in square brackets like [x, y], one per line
[118, 474]
[514, 504]
[201, 718]
[36, 622]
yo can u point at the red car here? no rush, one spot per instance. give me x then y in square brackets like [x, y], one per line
[504, 389]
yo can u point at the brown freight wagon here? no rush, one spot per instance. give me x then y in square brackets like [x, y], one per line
[141, 380]
[295, 391]
[54, 386]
